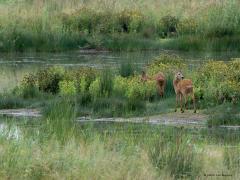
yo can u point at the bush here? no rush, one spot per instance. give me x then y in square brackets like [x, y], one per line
[127, 69]
[218, 82]
[67, 87]
[48, 79]
[169, 24]
[106, 83]
[187, 26]
[103, 85]
[132, 88]
[168, 64]
[29, 87]
[130, 21]
[140, 90]
[94, 89]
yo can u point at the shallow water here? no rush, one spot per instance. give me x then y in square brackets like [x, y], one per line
[14, 66]
[13, 129]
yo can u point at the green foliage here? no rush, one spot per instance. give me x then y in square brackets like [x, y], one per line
[103, 85]
[225, 114]
[48, 79]
[218, 82]
[178, 158]
[106, 83]
[94, 89]
[110, 107]
[187, 26]
[168, 64]
[59, 118]
[127, 69]
[169, 24]
[133, 88]
[82, 77]
[70, 25]
[12, 102]
[215, 82]
[67, 87]
[232, 158]
[29, 88]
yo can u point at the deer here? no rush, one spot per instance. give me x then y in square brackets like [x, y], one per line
[183, 89]
[160, 81]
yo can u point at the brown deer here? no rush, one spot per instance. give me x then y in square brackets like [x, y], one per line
[183, 88]
[160, 81]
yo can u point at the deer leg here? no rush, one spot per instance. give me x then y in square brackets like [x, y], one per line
[161, 89]
[186, 102]
[194, 105]
[181, 97]
[177, 95]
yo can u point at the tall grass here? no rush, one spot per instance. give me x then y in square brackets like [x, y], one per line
[127, 69]
[103, 154]
[59, 118]
[118, 25]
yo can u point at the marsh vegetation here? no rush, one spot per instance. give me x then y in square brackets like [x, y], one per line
[38, 25]
[119, 92]
[58, 146]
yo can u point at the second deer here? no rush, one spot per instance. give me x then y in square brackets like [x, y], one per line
[160, 81]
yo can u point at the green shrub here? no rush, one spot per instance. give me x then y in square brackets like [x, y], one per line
[130, 21]
[94, 89]
[82, 77]
[234, 67]
[218, 81]
[29, 87]
[49, 78]
[132, 88]
[67, 87]
[167, 64]
[120, 85]
[127, 69]
[187, 26]
[140, 90]
[106, 83]
[103, 85]
[169, 24]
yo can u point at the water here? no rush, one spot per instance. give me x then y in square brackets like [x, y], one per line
[14, 66]
[13, 129]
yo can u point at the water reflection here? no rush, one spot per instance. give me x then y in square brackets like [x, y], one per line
[10, 131]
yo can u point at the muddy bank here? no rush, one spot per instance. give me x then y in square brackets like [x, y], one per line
[174, 119]
[28, 113]
[170, 119]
